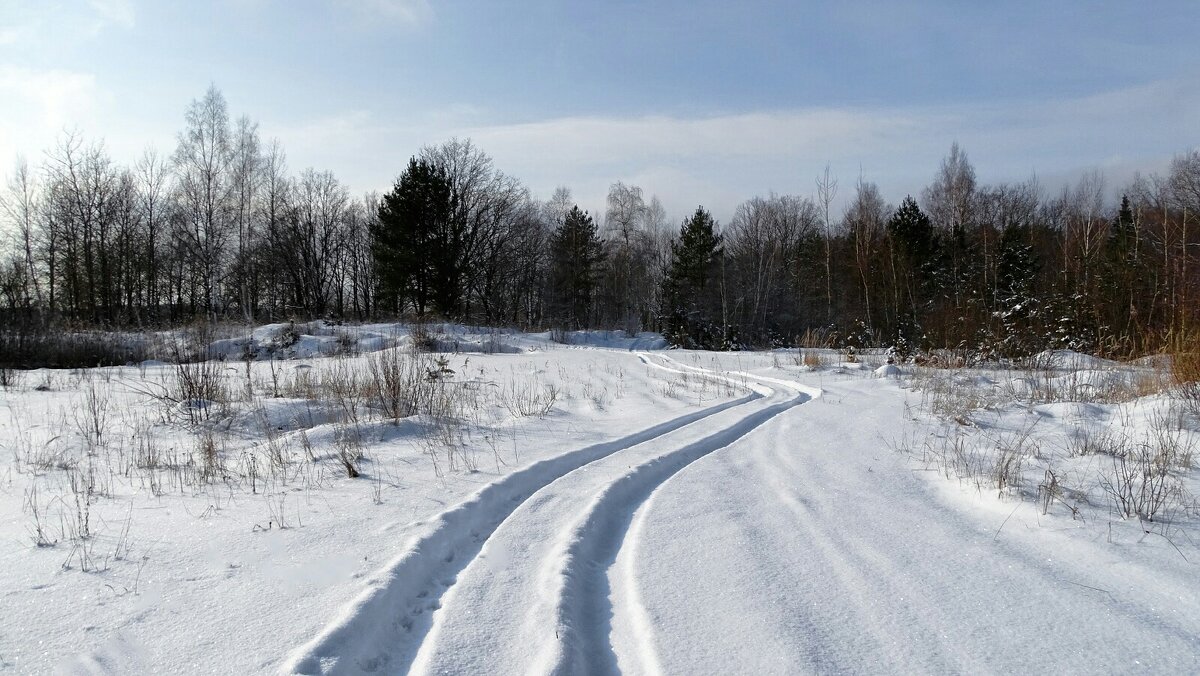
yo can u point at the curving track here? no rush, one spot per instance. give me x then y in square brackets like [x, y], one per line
[804, 546]
[513, 580]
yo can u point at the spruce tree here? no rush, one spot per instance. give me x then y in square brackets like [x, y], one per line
[1018, 309]
[576, 254]
[1126, 277]
[414, 257]
[916, 265]
[691, 288]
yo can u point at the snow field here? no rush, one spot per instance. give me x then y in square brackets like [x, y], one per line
[226, 530]
[1088, 439]
[528, 507]
[835, 556]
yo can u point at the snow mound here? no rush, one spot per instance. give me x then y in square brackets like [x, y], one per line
[1069, 360]
[888, 371]
[613, 340]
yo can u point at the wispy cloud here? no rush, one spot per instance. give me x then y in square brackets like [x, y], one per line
[114, 12]
[40, 25]
[410, 13]
[736, 156]
[722, 160]
[41, 103]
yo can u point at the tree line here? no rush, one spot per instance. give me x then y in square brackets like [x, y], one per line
[220, 229]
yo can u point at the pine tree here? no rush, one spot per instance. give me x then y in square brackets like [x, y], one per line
[916, 266]
[575, 257]
[691, 289]
[415, 259]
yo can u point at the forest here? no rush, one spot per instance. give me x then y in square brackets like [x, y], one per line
[221, 229]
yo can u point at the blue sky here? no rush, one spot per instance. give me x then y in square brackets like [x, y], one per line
[697, 102]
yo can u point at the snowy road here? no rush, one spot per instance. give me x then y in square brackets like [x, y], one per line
[527, 592]
[758, 536]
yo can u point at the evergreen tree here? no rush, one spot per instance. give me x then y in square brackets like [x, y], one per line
[915, 265]
[692, 286]
[1017, 306]
[414, 257]
[575, 257]
[1126, 279]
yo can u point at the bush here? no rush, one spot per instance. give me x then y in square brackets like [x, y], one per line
[28, 347]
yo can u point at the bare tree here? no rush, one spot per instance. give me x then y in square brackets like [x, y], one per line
[627, 278]
[1184, 181]
[153, 188]
[865, 220]
[770, 243]
[555, 209]
[20, 205]
[81, 182]
[206, 192]
[360, 264]
[274, 198]
[950, 203]
[313, 240]
[246, 175]
[950, 199]
[827, 187]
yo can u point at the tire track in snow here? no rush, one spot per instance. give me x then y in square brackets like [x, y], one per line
[584, 610]
[835, 557]
[529, 601]
[619, 562]
[894, 571]
[381, 630]
[864, 575]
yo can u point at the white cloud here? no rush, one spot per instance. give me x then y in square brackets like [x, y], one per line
[717, 161]
[56, 97]
[114, 12]
[720, 161]
[11, 35]
[40, 26]
[725, 159]
[407, 12]
[41, 103]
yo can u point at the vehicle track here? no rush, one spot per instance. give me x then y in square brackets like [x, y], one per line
[836, 558]
[585, 608]
[398, 623]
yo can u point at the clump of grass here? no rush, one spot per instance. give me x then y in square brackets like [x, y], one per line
[952, 397]
[11, 378]
[1141, 483]
[348, 441]
[809, 359]
[1096, 441]
[1184, 349]
[815, 338]
[526, 398]
[398, 381]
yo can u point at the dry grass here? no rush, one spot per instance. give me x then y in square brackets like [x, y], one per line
[1184, 348]
[815, 339]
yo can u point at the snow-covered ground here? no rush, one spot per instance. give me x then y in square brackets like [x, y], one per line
[592, 505]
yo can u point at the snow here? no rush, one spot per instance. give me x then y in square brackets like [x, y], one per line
[666, 512]
[888, 371]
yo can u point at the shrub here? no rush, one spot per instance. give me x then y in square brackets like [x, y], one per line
[398, 381]
[1140, 484]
